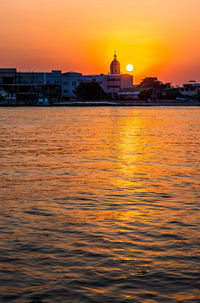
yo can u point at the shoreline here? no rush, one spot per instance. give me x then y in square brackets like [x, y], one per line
[108, 103]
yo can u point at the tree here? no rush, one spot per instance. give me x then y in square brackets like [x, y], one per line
[172, 94]
[153, 82]
[90, 91]
[145, 94]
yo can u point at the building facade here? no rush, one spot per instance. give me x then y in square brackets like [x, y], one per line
[113, 82]
[7, 76]
[69, 83]
[190, 90]
[28, 87]
[62, 84]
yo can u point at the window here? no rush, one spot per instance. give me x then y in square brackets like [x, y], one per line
[113, 79]
[74, 83]
[113, 86]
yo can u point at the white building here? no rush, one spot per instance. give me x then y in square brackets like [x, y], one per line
[190, 90]
[70, 81]
[111, 83]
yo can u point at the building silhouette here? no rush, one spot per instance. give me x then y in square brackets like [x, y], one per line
[115, 66]
[56, 84]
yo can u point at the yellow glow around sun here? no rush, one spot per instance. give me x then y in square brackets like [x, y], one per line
[129, 67]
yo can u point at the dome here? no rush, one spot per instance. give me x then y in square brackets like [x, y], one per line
[115, 66]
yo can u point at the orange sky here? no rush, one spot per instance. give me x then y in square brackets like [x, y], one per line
[160, 38]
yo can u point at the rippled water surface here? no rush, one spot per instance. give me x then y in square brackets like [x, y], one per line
[100, 204]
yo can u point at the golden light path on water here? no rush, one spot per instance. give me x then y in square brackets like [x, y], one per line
[99, 204]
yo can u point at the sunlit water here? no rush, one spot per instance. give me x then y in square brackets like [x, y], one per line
[100, 204]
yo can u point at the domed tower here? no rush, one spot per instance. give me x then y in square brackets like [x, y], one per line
[115, 66]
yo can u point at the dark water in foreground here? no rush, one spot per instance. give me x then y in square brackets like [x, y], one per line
[100, 204]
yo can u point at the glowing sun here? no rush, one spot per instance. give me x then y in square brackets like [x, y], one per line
[129, 67]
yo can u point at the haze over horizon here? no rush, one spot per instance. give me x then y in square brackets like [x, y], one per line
[159, 38]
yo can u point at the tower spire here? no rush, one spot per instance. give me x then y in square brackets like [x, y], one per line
[115, 66]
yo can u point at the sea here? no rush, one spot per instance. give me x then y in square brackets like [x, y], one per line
[100, 204]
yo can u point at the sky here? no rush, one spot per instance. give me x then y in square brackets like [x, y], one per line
[159, 38]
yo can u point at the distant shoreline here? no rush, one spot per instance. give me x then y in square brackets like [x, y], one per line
[109, 103]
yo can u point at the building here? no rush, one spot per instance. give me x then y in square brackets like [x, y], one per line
[39, 78]
[69, 83]
[27, 87]
[115, 66]
[7, 76]
[113, 82]
[56, 84]
[190, 89]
